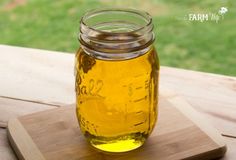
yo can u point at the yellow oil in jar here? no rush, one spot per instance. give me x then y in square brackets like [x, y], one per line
[117, 100]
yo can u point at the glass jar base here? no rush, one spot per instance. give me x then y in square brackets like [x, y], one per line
[119, 145]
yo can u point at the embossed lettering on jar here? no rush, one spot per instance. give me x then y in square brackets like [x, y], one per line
[116, 70]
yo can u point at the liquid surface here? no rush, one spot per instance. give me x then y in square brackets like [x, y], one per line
[117, 100]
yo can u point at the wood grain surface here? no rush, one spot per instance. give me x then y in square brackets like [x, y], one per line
[25, 78]
[6, 153]
[212, 95]
[231, 146]
[37, 75]
[11, 108]
[54, 134]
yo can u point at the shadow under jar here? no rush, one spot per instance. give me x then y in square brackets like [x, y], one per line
[116, 70]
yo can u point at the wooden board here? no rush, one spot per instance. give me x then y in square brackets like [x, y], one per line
[54, 135]
[212, 95]
[11, 108]
[37, 75]
[49, 75]
[6, 153]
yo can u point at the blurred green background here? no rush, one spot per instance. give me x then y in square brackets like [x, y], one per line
[53, 25]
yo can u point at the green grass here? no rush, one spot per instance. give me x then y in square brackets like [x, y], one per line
[206, 46]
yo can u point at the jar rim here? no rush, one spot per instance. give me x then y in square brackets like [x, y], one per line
[94, 12]
[113, 33]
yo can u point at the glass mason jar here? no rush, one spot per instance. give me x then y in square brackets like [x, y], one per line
[117, 70]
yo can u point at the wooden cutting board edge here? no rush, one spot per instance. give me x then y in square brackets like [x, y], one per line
[24, 140]
[185, 108]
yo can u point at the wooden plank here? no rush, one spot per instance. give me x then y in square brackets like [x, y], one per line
[23, 140]
[56, 135]
[212, 95]
[43, 72]
[189, 112]
[11, 108]
[6, 153]
[50, 75]
[37, 75]
[231, 146]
